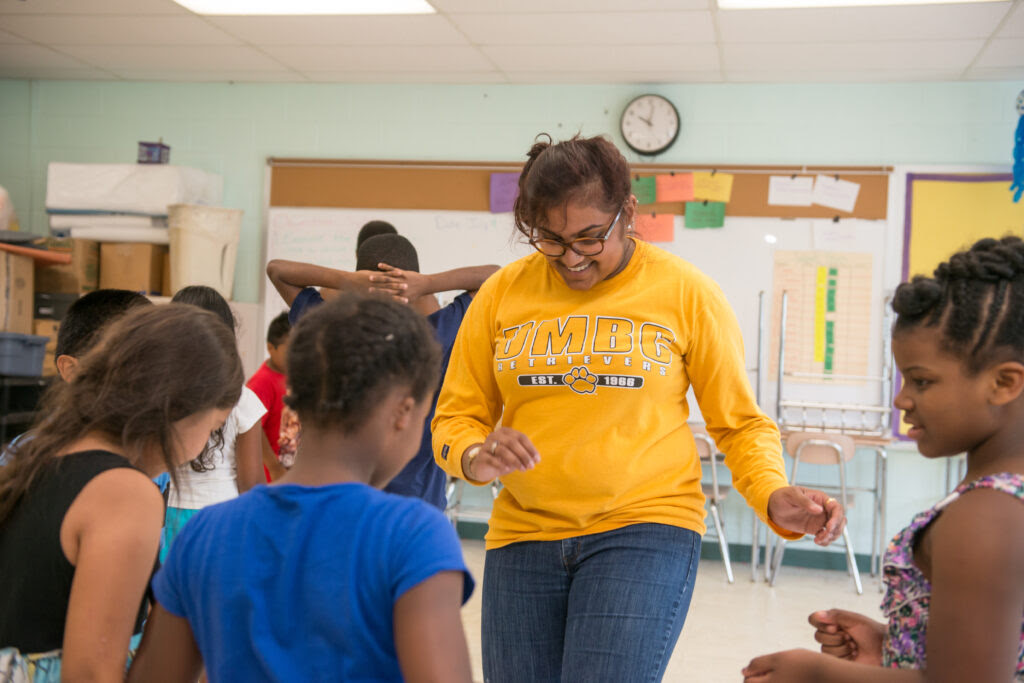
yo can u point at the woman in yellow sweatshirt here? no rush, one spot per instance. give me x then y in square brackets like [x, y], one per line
[585, 352]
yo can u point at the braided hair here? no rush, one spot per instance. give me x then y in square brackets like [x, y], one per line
[346, 354]
[976, 299]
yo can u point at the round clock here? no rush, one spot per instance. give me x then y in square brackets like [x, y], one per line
[650, 124]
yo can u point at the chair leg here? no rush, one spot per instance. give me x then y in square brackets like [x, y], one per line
[755, 545]
[721, 540]
[780, 547]
[851, 562]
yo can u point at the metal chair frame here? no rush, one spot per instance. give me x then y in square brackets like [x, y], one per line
[707, 452]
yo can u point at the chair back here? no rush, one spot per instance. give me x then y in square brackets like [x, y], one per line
[820, 448]
[705, 444]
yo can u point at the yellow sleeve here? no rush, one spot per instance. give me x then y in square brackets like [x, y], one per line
[749, 439]
[470, 404]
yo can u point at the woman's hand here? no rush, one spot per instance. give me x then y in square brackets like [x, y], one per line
[403, 285]
[504, 450]
[807, 511]
[849, 635]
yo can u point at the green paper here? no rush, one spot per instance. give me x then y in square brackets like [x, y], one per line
[705, 214]
[645, 189]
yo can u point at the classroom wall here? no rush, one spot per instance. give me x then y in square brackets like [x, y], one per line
[232, 128]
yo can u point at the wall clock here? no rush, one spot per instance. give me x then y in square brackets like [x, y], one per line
[650, 124]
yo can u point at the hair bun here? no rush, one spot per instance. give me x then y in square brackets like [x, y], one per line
[916, 297]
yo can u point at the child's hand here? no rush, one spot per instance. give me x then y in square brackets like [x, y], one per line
[849, 635]
[791, 666]
[403, 285]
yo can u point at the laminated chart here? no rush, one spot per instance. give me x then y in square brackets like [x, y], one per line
[828, 319]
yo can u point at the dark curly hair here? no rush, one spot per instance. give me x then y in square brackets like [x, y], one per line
[278, 329]
[81, 326]
[393, 250]
[345, 354]
[372, 229]
[976, 299]
[587, 170]
[152, 367]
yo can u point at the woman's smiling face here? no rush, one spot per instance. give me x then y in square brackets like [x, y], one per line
[575, 220]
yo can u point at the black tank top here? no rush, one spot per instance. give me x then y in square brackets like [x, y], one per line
[35, 575]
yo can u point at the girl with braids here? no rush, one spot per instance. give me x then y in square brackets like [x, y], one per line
[80, 516]
[232, 466]
[585, 350]
[955, 577]
[321, 575]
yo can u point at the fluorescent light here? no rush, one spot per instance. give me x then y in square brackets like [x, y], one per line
[811, 4]
[281, 7]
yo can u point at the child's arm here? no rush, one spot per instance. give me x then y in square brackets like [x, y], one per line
[270, 460]
[111, 533]
[804, 666]
[249, 458]
[168, 651]
[849, 635]
[429, 637]
[408, 286]
[291, 277]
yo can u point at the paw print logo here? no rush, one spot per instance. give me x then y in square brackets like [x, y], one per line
[581, 380]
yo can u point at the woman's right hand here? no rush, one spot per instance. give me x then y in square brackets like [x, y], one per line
[849, 635]
[504, 450]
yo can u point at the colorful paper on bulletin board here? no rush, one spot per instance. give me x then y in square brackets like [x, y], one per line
[645, 189]
[705, 214]
[946, 213]
[676, 187]
[715, 187]
[660, 227]
[504, 188]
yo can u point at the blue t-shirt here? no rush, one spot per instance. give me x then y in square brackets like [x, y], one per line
[293, 582]
[421, 477]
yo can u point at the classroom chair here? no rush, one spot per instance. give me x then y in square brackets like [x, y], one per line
[455, 510]
[714, 493]
[821, 449]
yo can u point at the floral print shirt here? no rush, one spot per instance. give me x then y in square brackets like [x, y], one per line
[908, 592]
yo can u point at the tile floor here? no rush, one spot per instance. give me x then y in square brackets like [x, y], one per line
[727, 624]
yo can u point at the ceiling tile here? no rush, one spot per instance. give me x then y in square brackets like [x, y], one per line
[116, 30]
[583, 58]
[32, 56]
[624, 77]
[91, 7]
[851, 56]
[516, 6]
[567, 28]
[381, 58]
[173, 58]
[208, 76]
[54, 73]
[418, 29]
[9, 38]
[812, 75]
[1006, 73]
[417, 77]
[1014, 26]
[872, 24]
[1002, 52]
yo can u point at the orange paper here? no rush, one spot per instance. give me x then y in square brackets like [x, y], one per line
[675, 188]
[656, 227]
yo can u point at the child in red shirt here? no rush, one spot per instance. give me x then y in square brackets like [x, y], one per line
[269, 384]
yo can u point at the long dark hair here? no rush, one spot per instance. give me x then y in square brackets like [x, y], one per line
[151, 368]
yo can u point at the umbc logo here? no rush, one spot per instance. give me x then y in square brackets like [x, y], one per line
[581, 380]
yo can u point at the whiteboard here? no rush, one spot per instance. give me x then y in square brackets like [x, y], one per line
[738, 256]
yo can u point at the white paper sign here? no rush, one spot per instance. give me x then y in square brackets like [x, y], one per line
[790, 191]
[835, 193]
[847, 235]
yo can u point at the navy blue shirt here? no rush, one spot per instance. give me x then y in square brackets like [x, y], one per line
[421, 478]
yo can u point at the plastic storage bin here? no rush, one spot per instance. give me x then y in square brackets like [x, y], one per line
[21, 355]
[204, 246]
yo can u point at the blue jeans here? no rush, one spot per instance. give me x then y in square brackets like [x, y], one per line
[602, 607]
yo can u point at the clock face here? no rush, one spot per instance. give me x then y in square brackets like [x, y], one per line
[650, 124]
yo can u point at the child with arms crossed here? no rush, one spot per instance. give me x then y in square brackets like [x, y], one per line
[321, 575]
[79, 515]
[954, 590]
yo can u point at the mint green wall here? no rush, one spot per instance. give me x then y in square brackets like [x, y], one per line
[231, 129]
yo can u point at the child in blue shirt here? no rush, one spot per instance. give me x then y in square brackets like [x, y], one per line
[388, 263]
[322, 576]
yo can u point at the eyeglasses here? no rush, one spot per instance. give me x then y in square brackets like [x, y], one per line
[584, 246]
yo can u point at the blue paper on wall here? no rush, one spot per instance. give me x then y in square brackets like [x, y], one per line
[504, 188]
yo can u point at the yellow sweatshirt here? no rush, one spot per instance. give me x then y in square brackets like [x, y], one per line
[597, 380]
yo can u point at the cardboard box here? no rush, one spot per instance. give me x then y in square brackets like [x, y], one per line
[80, 276]
[16, 302]
[45, 327]
[52, 306]
[49, 364]
[165, 286]
[136, 266]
